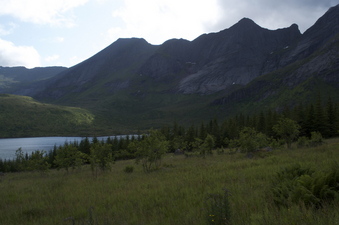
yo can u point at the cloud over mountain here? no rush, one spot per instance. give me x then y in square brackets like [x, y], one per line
[12, 55]
[54, 12]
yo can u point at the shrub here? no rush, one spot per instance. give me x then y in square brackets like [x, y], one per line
[150, 150]
[250, 140]
[129, 169]
[287, 129]
[316, 139]
[302, 142]
[297, 185]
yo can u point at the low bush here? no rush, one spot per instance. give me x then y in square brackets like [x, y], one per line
[297, 185]
[129, 169]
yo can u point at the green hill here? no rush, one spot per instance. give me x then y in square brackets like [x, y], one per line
[22, 116]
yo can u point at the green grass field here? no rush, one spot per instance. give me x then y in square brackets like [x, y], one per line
[175, 194]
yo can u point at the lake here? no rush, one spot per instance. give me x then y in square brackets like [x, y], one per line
[8, 146]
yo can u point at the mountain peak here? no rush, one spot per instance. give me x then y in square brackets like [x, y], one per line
[128, 41]
[246, 20]
[245, 23]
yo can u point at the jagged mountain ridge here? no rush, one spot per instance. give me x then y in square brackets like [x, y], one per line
[206, 65]
[312, 62]
[187, 80]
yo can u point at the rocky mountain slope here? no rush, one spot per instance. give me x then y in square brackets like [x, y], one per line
[308, 68]
[132, 83]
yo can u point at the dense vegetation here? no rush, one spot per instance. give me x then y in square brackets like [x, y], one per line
[307, 125]
[22, 116]
[193, 190]
[236, 172]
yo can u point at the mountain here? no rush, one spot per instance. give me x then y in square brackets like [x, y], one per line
[17, 79]
[308, 68]
[206, 65]
[132, 84]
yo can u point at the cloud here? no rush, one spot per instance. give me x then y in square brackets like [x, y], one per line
[274, 14]
[11, 55]
[52, 58]
[157, 21]
[54, 12]
[160, 20]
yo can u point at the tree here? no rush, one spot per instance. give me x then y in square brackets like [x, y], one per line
[320, 118]
[250, 140]
[101, 156]
[20, 160]
[287, 129]
[209, 143]
[150, 150]
[310, 121]
[85, 146]
[332, 119]
[69, 156]
[38, 162]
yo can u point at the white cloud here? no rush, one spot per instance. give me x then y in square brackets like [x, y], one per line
[52, 58]
[11, 55]
[157, 21]
[160, 20]
[54, 12]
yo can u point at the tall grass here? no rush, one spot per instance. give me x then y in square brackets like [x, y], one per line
[175, 194]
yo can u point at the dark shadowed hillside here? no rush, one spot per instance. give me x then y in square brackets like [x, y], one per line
[18, 79]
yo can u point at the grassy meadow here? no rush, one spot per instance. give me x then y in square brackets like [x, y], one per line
[175, 194]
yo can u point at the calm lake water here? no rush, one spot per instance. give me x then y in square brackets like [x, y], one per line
[8, 146]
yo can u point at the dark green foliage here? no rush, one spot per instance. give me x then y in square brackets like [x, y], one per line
[316, 139]
[250, 140]
[129, 169]
[68, 156]
[219, 208]
[150, 150]
[297, 185]
[101, 157]
[303, 142]
[284, 183]
[85, 146]
[332, 119]
[287, 129]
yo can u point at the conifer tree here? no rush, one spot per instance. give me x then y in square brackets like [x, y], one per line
[332, 119]
[261, 127]
[310, 121]
[320, 119]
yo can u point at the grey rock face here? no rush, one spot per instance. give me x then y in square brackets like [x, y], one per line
[240, 55]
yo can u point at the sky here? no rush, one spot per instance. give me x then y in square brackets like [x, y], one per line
[39, 33]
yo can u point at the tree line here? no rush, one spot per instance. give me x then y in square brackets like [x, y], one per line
[306, 124]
